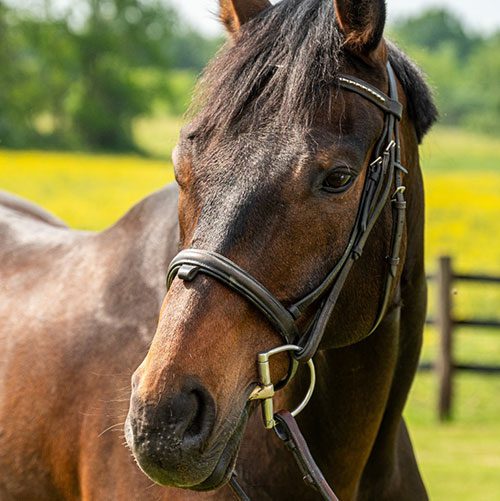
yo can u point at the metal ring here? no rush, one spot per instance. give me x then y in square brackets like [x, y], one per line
[266, 391]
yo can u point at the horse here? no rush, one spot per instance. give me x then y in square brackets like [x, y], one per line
[272, 171]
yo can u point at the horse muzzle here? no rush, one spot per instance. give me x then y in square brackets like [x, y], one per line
[172, 440]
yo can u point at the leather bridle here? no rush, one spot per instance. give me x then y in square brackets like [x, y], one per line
[384, 182]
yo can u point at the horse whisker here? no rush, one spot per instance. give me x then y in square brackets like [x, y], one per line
[110, 428]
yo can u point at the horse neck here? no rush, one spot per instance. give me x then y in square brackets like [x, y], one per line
[336, 425]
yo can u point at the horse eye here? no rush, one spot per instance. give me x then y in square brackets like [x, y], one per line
[338, 180]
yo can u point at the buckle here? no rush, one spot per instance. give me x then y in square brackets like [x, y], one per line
[390, 146]
[400, 189]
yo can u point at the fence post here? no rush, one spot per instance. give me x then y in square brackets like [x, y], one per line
[445, 329]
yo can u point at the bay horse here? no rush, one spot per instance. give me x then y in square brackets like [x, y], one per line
[272, 172]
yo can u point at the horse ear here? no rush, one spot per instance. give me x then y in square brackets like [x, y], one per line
[362, 22]
[235, 13]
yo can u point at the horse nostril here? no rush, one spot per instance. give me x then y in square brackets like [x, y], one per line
[189, 416]
[200, 416]
[200, 422]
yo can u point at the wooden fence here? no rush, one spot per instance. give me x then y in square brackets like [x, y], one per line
[446, 324]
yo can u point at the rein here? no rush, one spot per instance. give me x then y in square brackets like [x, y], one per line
[384, 182]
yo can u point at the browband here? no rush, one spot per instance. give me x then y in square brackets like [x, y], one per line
[384, 102]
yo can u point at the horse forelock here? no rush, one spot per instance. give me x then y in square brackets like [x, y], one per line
[281, 70]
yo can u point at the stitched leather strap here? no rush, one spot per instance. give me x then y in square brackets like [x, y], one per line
[188, 263]
[288, 431]
[238, 491]
[384, 102]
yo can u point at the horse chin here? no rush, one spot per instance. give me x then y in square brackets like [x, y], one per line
[227, 461]
[216, 478]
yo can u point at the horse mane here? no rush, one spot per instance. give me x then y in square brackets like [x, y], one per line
[422, 109]
[282, 69]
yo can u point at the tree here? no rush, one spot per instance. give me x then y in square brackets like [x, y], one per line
[17, 85]
[82, 84]
[51, 50]
[482, 78]
[192, 50]
[118, 37]
[434, 29]
[464, 69]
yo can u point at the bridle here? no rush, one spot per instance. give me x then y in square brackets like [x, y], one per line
[384, 182]
[384, 177]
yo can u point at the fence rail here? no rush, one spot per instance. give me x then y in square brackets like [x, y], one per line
[445, 366]
[471, 278]
[481, 324]
[484, 369]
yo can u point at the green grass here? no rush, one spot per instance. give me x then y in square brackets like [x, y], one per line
[459, 460]
[451, 150]
[158, 135]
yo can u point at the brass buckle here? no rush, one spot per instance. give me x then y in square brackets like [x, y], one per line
[400, 189]
[266, 390]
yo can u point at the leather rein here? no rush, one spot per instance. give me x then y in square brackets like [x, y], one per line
[384, 182]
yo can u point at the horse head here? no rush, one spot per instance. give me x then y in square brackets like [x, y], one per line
[272, 171]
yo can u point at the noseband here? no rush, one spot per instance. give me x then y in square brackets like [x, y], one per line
[384, 182]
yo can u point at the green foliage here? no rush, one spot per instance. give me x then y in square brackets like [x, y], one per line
[434, 29]
[483, 77]
[19, 85]
[463, 68]
[191, 50]
[119, 35]
[83, 85]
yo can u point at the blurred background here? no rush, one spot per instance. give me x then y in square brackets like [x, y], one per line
[92, 95]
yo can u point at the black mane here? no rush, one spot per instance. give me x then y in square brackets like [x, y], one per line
[421, 107]
[283, 67]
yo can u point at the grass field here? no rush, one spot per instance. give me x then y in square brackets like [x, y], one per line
[459, 460]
